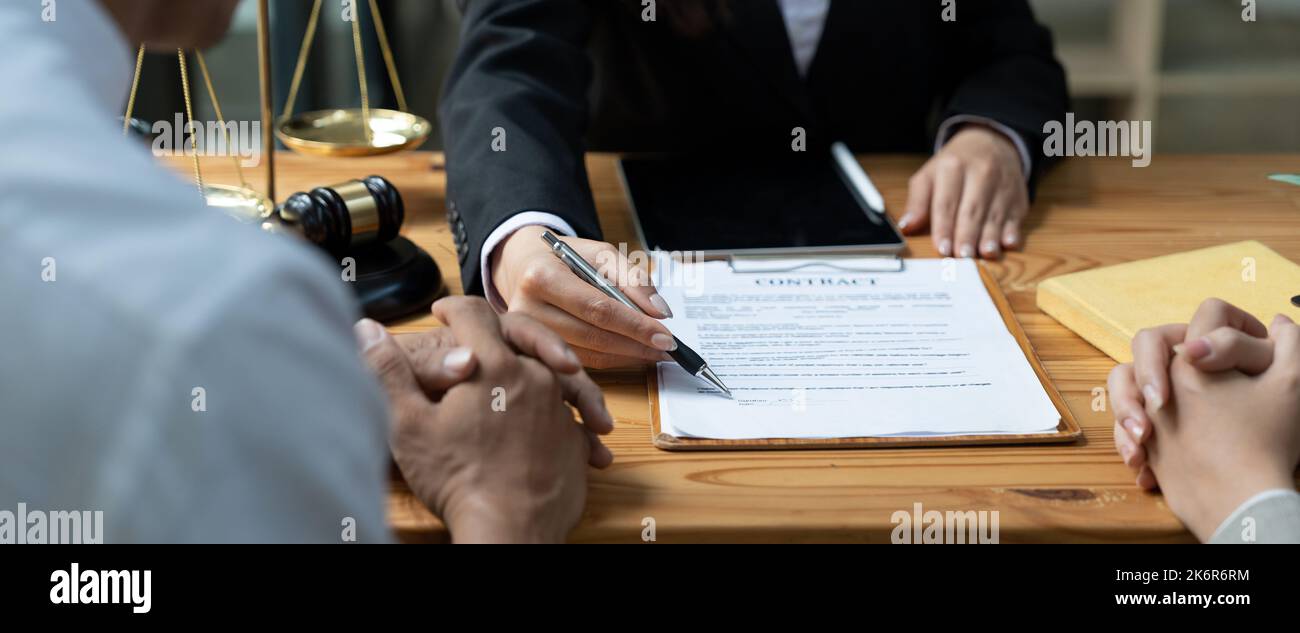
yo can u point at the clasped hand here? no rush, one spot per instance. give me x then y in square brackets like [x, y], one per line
[1209, 411]
[481, 425]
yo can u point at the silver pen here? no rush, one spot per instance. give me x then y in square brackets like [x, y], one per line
[685, 356]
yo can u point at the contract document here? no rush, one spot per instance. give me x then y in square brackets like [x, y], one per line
[834, 352]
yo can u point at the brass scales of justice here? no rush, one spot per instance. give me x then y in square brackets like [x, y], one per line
[358, 220]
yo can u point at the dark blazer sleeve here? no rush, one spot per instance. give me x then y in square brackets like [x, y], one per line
[1006, 71]
[522, 67]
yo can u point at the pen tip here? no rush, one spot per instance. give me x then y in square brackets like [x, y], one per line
[713, 379]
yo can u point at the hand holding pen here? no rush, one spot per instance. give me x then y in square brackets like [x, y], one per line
[531, 280]
[683, 355]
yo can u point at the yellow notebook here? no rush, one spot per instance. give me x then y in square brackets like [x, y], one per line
[1107, 306]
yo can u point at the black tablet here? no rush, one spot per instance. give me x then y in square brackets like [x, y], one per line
[755, 205]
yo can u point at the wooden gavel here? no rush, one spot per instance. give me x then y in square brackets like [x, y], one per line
[342, 217]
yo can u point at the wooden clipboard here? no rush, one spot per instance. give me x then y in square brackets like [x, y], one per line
[1067, 429]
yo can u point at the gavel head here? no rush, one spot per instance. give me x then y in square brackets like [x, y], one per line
[345, 216]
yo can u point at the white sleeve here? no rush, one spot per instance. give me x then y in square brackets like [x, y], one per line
[506, 229]
[950, 125]
[1272, 516]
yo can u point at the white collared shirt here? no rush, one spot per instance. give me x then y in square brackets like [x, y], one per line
[804, 22]
[192, 378]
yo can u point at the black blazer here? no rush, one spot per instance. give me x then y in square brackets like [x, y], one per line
[564, 76]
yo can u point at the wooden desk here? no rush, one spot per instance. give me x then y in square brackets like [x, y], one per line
[1089, 213]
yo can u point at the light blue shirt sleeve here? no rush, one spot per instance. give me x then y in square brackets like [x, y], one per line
[190, 378]
[1272, 516]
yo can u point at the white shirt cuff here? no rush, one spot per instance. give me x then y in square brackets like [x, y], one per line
[506, 229]
[1233, 519]
[949, 127]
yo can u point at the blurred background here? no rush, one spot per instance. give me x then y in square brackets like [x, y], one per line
[1210, 81]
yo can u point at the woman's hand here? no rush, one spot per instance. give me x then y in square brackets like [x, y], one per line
[603, 332]
[972, 194]
[1226, 436]
[1219, 337]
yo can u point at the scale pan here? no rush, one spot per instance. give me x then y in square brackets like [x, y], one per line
[340, 132]
[242, 204]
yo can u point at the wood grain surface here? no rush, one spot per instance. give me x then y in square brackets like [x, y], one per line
[1088, 213]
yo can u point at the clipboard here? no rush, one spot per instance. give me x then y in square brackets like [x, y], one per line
[1067, 429]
